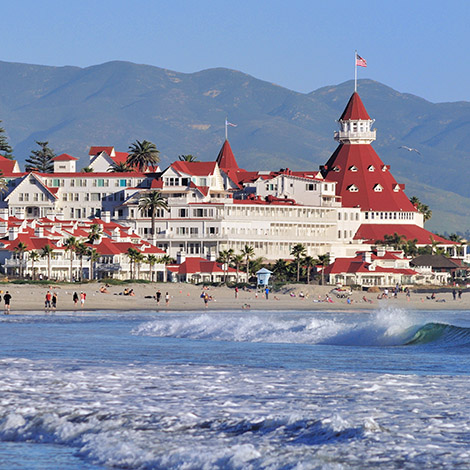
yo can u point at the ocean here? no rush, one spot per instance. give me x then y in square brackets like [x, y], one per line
[300, 390]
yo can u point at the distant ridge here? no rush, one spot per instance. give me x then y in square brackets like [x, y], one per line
[117, 102]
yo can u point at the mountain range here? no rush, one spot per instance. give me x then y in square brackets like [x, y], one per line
[115, 103]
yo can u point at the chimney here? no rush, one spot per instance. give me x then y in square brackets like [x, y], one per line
[39, 232]
[180, 257]
[116, 235]
[106, 217]
[13, 233]
[367, 257]
[380, 251]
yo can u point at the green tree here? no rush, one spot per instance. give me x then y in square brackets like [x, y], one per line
[46, 252]
[95, 233]
[298, 251]
[33, 257]
[142, 155]
[308, 262]
[151, 261]
[257, 264]
[324, 261]
[423, 208]
[20, 250]
[132, 253]
[238, 261]
[88, 169]
[81, 250]
[248, 252]
[165, 260]
[150, 202]
[120, 167]
[71, 245]
[280, 269]
[395, 241]
[188, 158]
[93, 257]
[5, 149]
[41, 160]
[409, 247]
[225, 257]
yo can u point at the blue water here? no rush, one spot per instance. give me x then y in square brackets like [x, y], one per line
[235, 390]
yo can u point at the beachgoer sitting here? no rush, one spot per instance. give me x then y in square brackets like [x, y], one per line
[103, 290]
[126, 291]
[131, 293]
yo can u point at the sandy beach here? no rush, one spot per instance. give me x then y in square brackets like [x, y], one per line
[29, 298]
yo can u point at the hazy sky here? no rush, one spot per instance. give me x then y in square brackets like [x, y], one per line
[414, 46]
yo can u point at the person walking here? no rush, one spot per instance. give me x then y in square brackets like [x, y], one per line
[167, 299]
[7, 299]
[82, 298]
[75, 298]
[54, 300]
[158, 296]
[236, 292]
[266, 292]
[206, 299]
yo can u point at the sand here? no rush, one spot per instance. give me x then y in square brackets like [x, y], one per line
[30, 298]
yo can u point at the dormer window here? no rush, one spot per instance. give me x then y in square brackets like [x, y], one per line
[396, 188]
[352, 188]
[378, 188]
[353, 168]
[337, 169]
[371, 168]
[385, 168]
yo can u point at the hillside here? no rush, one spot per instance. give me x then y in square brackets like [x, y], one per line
[118, 102]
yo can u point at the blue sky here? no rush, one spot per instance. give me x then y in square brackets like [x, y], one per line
[413, 46]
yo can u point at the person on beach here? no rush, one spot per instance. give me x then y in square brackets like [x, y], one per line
[454, 294]
[206, 299]
[6, 299]
[82, 298]
[460, 294]
[158, 296]
[236, 292]
[54, 300]
[266, 292]
[167, 299]
[75, 298]
[47, 302]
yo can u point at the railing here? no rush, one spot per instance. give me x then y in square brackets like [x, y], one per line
[355, 135]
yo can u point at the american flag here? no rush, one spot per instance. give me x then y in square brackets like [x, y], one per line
[360, 61]
[230, 124]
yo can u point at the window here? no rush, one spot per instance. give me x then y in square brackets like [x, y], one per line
[371, 168]
[337, 169]
[122, 183]
[203, 181]
[378, 188]
[95, 196]
[352, 188]
[183, 213]
[353, 168]
[311, 187]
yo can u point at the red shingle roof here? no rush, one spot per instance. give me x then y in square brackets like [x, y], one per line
[226, 159]
[355, 110]
[63, 157]
[194, 168]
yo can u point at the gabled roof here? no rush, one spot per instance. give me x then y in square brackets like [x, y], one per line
[194, 168]
[97, 150]
[355, 110]
[226, 159]
[63, 157]
[435, 261]
[358, 187]
[370, 233]
[8, 167]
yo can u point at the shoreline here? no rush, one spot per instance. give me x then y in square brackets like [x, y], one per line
[186, 297]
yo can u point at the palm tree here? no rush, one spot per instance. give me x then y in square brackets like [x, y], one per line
[142, 155]
[95, 233]
[132, 254]
[257, 264]
[20, 251]
[165, 259]
[298, 251]
[71, 245]
[237, 261]
[33, 256]
[47, 253]
[280, 268]
[410, 248]
[150, 202]
[423, 208]
[151, 261]
[88, 169]
[225, 256]
[93, 256]
[308, 261]
[324, 261]
[188, 158]
[248, 252]
[139, 258]
[119, 167]
[81, 250]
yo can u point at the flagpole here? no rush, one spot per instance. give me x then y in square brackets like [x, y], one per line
[355, 71]
[226, 132]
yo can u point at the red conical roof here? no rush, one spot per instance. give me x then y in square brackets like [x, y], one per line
[226, 159]
[362, 180]
[355, 110]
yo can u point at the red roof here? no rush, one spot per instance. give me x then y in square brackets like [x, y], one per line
[201, 265]
[364, 181]
[97, 150]
[194, 168]
[355, 110]
[120, 157]
[63, 157]
[7, 166]
[226, 159]
[373, 232]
